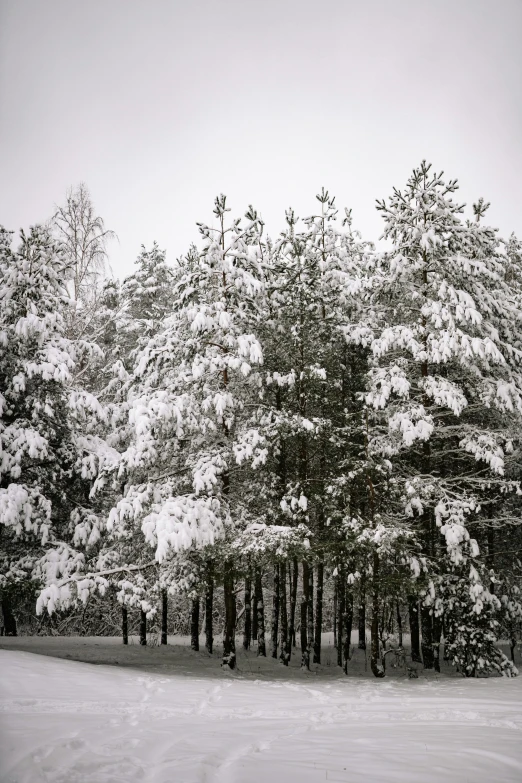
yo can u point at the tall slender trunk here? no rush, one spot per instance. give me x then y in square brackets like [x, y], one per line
[229, 635]
[310, 614]
[275, 611]
[335, 601]
[445, 634]
[194, 624]
[382, 626]
[361, 616]
[347, 627]
[124, 625]
[209, 610]
[318, 612]
[399, 623]
[490, 557]
[143, 628]
[427, 637]
[426, 616]
[254, 612]
[391, 619]
[293, 569]
[303, 476]
[285, 642]
[247, 635]
[229, 631]
[279, 602]
[10, 628]
[413, 613]
[321, 487]
[305, 650]
[164, 616]
[375, 663]
[261, 644]
[341, 611]
[437, 633]
[375, 658]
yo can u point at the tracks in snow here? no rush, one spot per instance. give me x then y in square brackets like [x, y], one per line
[93, 725]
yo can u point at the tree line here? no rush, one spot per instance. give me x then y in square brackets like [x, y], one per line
[271, 416]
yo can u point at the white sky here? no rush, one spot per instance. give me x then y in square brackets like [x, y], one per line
[158, 106]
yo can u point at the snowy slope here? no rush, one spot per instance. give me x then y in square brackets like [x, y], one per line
[70, 722]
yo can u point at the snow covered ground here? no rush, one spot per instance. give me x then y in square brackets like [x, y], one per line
[173, 716]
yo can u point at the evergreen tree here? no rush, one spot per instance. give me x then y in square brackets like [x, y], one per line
[188, 424]
[45, 456]
[445, 372]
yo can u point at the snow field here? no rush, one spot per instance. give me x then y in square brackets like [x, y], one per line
[70, 722]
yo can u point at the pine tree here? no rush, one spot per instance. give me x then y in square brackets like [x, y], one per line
[45, 420]
[446, 375]
[188, 425]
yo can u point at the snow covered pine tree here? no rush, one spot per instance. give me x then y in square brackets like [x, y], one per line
[446, 374]
[44, 422]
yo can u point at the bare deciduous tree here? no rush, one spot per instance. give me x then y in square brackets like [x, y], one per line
[83, 239]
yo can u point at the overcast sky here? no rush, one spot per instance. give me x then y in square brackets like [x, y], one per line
[160, 105]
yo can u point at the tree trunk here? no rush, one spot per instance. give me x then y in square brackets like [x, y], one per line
[10, 628]
[413, 612]
[399, 623]
[209, 610]
[275, 611]
[305, 597]
[279, 605]
[124, 625]
[347, 627]
[261, 645]
[391, 619]
[318, 612]
[194, 625]
[490, 557]
[427, 637]
[293, 569]
[428, 519]
[362, 617]
[382, 626]
[310, 616]
[310, 633]
[426, 616]
[375, 662]
[254, 613]
[247, 635]
[164, 615]
[335, 599]
[341, 611]
[285, 642]
[143, 628]
[229, 636]
[445, 635]
[437, 633]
